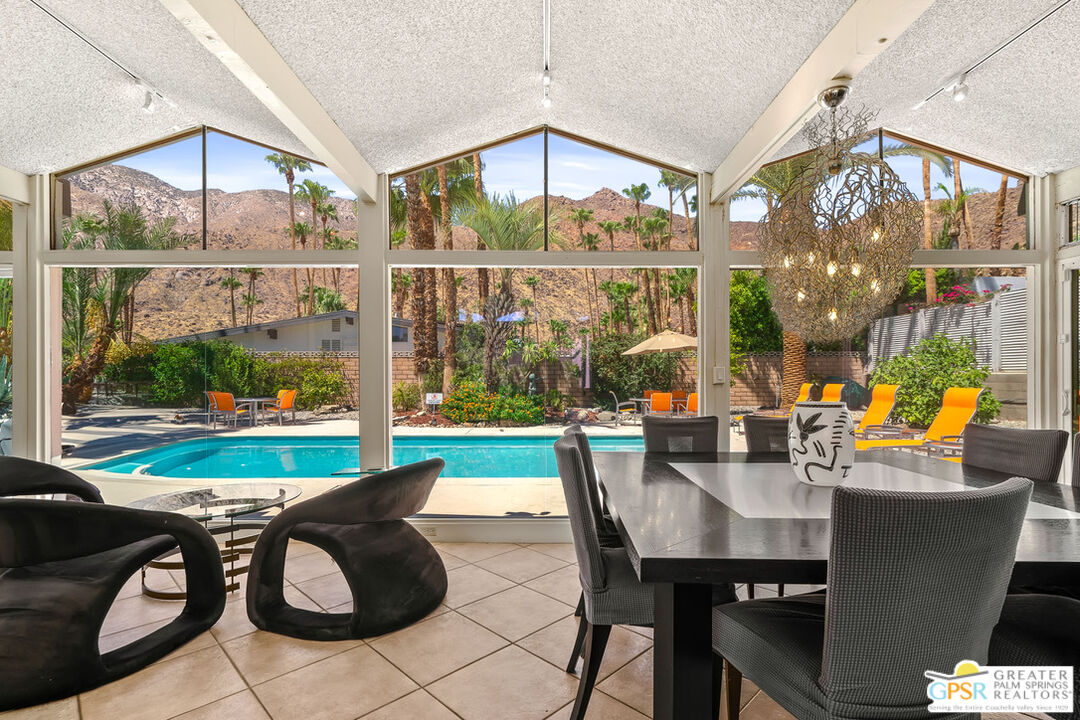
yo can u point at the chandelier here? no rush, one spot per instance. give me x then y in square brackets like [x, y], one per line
[837, 242]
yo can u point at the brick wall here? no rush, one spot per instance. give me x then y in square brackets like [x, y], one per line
[759, 384]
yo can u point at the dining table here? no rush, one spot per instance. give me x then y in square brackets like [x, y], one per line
[256, 406]
[690, 521]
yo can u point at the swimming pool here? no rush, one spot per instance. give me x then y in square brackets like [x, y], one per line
[472, 456]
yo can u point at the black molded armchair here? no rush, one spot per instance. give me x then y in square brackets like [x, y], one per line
[63, 563]
[395, 575]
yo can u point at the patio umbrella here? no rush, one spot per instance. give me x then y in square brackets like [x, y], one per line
[667, 341]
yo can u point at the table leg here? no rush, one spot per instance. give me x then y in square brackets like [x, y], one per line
[682, 655]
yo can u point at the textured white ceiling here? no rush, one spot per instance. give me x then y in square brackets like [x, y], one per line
[64, 104]
[677, 81]
[1022, 112]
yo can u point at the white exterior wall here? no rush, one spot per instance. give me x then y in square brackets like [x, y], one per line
[302, 337]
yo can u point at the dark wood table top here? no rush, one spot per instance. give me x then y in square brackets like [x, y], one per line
[677, 529]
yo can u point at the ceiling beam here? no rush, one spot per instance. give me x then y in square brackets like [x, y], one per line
[14, 185]
[225, 30]
[865, 30]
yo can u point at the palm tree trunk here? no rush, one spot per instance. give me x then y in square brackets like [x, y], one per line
[928, 232]
[651, 313]
[963, 217]
[450, 312]
[85, 370]
[689, 225]
[999, 212]
[794, 368]
[292, 238]
[690, 296]
[421, 228]
[482, 282]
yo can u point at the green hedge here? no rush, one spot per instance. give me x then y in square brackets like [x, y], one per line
[926, 372]
[471, 402]
[628, 376]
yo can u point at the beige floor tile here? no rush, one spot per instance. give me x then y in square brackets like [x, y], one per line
[66, 709]
[516, 612]
[260, 656]
[433, 648]
[138, 610]
[450, 561]
[107, 643]
[297, 549]
[157, 579]
[632, 684]
[310, 565]
[165, 689]
[564, 585]
[763, 707]
[328, 591]
[521, 565]
[471, 552]
[602, 707]
[470, 583]
[509, 685]
[241, 706]
[342, 687]
[555, 642]
[560, 551]
[646, 631]
[234, 621]
[415, 706]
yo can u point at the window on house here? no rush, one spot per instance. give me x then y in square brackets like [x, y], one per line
[1072, 227]
[399, 334]
[335, 325]
[331, 345]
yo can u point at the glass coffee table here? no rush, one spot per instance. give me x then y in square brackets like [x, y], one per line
[221, 509]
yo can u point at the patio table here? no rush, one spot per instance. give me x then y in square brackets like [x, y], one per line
[689, 522]
[255, 406]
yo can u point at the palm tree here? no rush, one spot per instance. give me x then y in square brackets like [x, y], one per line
[302, 231]
[119, 228]
[964, 215]
[683, 185]
[532, 281]
[250, 302]
[289, 165]
[421, 229]
[999, 213]
[482, 281]
[504, 224]
[609, 228]
[327, 211]
[930, 274]
[253, 274]
[230, 283]
[591, 243]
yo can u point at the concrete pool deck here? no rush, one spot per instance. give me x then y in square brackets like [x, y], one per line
[100, 433]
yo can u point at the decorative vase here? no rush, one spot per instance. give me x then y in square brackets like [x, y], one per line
[821, 442]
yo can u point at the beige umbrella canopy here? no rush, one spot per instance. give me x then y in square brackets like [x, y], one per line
[667, 341]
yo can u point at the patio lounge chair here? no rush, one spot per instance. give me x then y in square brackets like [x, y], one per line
[222, 405]
[957, 408]
[832, 392]
[882, 402]
[286, 402]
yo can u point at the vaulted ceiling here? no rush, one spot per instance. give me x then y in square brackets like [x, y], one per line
[410, 82]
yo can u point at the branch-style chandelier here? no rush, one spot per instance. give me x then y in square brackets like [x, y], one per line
[837, 243]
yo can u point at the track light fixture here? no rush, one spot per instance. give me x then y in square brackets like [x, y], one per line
[960, 88]
[546, 99]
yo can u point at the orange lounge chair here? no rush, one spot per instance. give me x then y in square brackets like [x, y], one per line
[882, 402]
[831, 392]
[222, 405]
[803, 396]
[286, 402]
[691, 404]
[660, 404]
[957, 408]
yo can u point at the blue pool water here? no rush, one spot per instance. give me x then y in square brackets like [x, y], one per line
[305, 457]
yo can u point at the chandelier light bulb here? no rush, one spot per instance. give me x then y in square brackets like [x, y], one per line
[875, 286]
[810, 258]
[856, 269]
[877, 234]
[787, 261]
[801, 296]
[831, 269]
[833, 315]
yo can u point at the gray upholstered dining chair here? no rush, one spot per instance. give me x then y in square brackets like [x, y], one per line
[612, 593]
[765, 434]
[605, 526]
[1034, 454]
[681, 435]
[915, 583]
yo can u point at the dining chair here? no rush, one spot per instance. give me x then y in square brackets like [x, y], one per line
[765, 433]
[286, 402]
[605, 525]
[222, 405]
[1034, 454]
[660, 403]
[62, 564]
[681, 434]
[692, 404]
[612, 593]
[958, 407]
[915, 583]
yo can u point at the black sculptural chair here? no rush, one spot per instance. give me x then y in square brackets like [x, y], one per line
[63, 563]
[396, 577]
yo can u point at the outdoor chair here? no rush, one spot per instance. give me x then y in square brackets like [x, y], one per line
[394, 574]
[611, 592]
[766, 433]
[62, 564]
[681, 435]
[898, 605]
[692, 404]
[882, 402]
[803, 396]
[1034, 454]
[660, 403]
[958, 406]
[832, 392]
[222, 405]
[1076, 461]
[286, 403]
[624, 410]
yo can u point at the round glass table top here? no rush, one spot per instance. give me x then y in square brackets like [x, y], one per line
[220, 501]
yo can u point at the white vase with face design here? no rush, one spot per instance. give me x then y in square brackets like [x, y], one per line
[821, 442]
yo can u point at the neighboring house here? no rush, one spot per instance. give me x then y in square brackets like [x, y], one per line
[328, 332]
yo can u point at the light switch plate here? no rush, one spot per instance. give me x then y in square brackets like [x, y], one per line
[719, 375]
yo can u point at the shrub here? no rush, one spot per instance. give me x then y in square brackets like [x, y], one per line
[469, 402]
[519, 409]
[322, 387]
[628, 376]
[318, 381]
[406, 396]
[927, 371]
[178, 376]
[432, 380]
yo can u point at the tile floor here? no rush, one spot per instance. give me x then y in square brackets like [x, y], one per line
[493, 651]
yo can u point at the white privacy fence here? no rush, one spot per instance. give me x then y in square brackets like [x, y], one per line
[997, 327]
